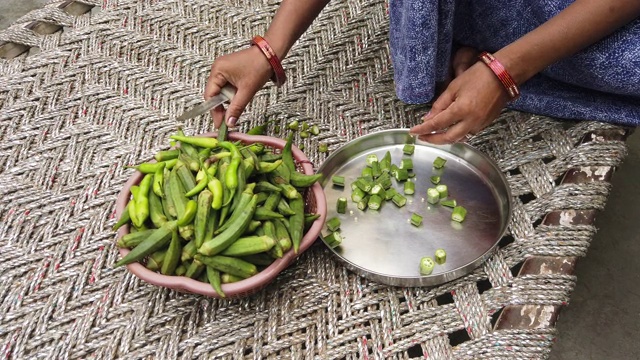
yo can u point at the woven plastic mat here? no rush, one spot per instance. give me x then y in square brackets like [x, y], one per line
[104, 92]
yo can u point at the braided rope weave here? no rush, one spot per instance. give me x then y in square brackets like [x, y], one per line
[104, 93]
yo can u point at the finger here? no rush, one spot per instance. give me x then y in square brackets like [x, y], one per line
[441, 103]
[439, 122]
[454, 134]
[218, 116]
[214, 84]
[237, 105]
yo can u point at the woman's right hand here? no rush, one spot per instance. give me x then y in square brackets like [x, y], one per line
[247, 70]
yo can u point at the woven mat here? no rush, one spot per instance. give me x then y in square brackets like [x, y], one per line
[104, 92]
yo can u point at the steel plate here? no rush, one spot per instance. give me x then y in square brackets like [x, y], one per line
[383, 246]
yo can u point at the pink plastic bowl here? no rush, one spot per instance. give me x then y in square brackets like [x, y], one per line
[315, 202]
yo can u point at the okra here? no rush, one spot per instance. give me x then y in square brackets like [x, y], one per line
[439, 162]
[371, 158]
[338, 180]
[265, 186]
[363, 185]
[263, 213]
[293, 125]
[155, 260]
[233, 232]
[230, 265]
[374, 203]
[158, 180]
[188, 251]
[289, 191]
[334, 239]
[132, 240]
[341, 205]
[195, 269]
[323, 147]
[409, 188]
[229, 278]
[172, 256]
[458, 214]
[375, 169]
[202, 217]
[408, 149]
[124, 219]
[357, 195]
[440, 256]
[363, 203]
[416, 220]
[426, 265]
[402, 174]
[296, 222]
[249, 245]
[385, 181]
[333, 224]
[156, 212]
[167, 155]
[315, 130]
[159, 239]
[186, 177]
[385, 163]
[435, 180]
[258, 259]
[433, 196]
[390, 193]
[449, 203]
[442, 190]
[406, 164]
[190, 210]
[215, 281]
[180, 270]
[399, 200]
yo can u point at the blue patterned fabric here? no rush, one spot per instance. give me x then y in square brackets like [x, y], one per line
[602, 82]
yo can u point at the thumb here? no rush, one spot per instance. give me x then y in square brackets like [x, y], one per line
[239, 102]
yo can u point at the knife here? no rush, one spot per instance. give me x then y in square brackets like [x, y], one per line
[226, 94]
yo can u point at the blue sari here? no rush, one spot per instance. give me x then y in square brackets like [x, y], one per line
[601, 82]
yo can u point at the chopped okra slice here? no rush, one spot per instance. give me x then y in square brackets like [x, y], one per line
[394, 170]
[305, 126]
[406, 164]
[439, 162]
[441, 256]
[416, 220]
[362, 204]
[433, 196]
[333, 224]
[458, 214]
[276, 129]
[304, 134]
[442, 190]
[357, 195]
[399, 200]
[323, 147]
[334, 239]
[341, 205]
[409, 188]
[364, 185]
[301, 147]
[408, 149]
[338, 180]
[426, 265]
[315, 130]
[402, 175]
[377, 189]
[390, 193]
[374, 203]
[367, 172]
[385, 163]
[371, 158]
[385, 181]
[375, 169]
[449, 203]
[435, 180]
[293, 125]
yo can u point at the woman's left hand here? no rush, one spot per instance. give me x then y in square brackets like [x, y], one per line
[471, 102]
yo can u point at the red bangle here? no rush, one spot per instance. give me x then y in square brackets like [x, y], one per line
[279, 76]
[501, 73]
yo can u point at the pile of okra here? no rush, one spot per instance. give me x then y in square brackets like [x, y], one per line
[214, 210]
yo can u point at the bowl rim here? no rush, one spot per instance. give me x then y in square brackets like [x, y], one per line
[247, 286]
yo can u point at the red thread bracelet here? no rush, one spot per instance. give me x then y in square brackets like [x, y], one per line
[279, 76]
[501, 73]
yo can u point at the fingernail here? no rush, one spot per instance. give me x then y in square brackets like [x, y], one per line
[426, 116]
[231, 122]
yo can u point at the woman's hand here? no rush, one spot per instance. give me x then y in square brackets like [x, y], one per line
[247, 70]
[471, 102]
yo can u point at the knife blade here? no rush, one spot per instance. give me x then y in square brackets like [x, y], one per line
[226, 94]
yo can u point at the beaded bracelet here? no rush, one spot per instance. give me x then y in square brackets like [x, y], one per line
[501, 73]
[279, 76]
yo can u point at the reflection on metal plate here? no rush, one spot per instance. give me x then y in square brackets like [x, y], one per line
[383, 246]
